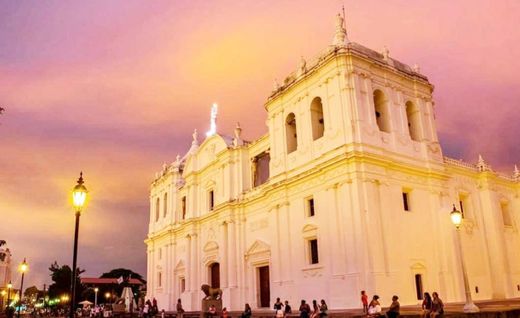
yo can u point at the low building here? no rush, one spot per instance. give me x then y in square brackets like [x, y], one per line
[348, 190]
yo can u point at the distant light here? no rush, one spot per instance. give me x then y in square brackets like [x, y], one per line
[456, 217]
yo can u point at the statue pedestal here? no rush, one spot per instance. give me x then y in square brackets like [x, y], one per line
[204, 307]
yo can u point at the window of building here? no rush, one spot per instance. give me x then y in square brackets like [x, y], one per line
[464, 205]
[406, 200]
[211, 200]
[159, 279]
[419, 286]
[160, 253]
[183, 207]
[165, 207]
[290, 133]
[382, 117]
[413, 115]
[260, 168]
[310, 206]
[182, 284]
[157, 209]
[506, 216]
[313, 251]
[318, 125]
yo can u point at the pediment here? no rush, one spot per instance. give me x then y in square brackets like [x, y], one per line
[258, 247]
[210, 246]
[309, 228]
[180, 266]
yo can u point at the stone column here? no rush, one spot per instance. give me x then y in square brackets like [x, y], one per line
[223, 248]
[232, 254]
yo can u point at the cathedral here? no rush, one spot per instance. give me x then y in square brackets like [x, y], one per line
[348, 190]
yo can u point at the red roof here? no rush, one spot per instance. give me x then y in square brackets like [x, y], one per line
[105, 281]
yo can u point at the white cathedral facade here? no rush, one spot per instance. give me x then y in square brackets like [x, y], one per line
[347, 191]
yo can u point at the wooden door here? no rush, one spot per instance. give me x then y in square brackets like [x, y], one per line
[263, 283]
[215, 275]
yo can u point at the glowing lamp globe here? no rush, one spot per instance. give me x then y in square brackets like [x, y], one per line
[24, 266]
[79, 194]
[3, 292]
[9, 285]
[456, 217]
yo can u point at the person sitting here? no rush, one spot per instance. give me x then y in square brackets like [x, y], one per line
[288, 309]
[224, 313]
[437, 306]
[374, 308]
[323, 309]
[247, 312]
[426, 305]
[393, 311]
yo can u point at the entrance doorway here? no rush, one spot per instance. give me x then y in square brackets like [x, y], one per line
[214, 275]
[263, 286]
[419, 286]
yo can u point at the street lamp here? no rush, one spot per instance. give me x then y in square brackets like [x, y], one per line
[23, 268]
[79, 195]
[107, 296]
[95, 296]
[456, 219]
[3, 293]
[9, 287]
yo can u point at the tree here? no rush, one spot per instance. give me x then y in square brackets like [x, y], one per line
[61, 276]
[126, 274]
[33, 292]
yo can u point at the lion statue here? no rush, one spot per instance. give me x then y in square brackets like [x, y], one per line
[210, 292]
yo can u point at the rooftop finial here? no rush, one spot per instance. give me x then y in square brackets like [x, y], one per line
[195, 136]
[237, 141]
[276, 85]
[340, 36]
[302, 68]
[482, 165]
[386, 53]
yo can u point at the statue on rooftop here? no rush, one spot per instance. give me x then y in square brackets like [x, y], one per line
[340, 36]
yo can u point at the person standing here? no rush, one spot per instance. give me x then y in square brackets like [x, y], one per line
[364, 301]
[180, 310]
[393, 311]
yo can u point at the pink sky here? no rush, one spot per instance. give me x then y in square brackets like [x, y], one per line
[115, 88]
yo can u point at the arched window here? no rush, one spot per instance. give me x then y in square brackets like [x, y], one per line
[382, 118]
[165, 207]
[318, 126]
[157, 208]
[413, 117]
[290, 132]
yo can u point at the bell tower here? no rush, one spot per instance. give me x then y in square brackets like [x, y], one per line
[354, 98]
[5, 265]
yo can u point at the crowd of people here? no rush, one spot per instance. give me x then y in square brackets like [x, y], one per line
[431, 307]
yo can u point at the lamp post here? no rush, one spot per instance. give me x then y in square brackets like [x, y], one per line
[95, 296]
[3, 292]
[79, 194]
[9, 287]
[456, 219]
[23, 268]
[107, 296]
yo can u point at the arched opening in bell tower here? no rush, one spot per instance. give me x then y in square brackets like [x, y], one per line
[290, 133]
[382, 116]
[318, 125]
